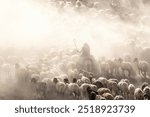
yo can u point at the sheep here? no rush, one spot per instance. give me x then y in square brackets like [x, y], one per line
[112, 85]
[144, 84]
[93, 87]
[138, 94]
[93, 80]
[54, 76]
[83, 91]
[112, 68]
[115, 80]
[123, 87]
[146, 92]
[131, 89]
[66, 81]
[145, 53]
[126, 66]
[108, 96]
[72, 73]
[125, 80]
[22, 75]
[79, 82]
[61, 77]
[49, 83]
[91, 93]
[143, 67]
[60, 88]
[103, 81]
[103, 90]
[35, 77]
[41, 89]
[74, 90]
[98, 84]
[85, 80]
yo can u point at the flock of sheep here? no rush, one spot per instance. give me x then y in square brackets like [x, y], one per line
[126, 10]
[72, 74]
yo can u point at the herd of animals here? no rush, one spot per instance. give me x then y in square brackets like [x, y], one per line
[68, 74]
[127, 10]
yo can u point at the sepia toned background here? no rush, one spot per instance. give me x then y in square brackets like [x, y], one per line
[74, 49]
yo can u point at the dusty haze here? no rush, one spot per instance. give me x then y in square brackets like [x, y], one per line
[36, 23]
[35, 26]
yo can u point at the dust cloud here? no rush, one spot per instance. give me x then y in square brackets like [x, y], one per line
[36, 23]
[111, 28]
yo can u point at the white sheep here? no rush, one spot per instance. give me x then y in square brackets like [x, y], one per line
[98, 84]
[85, 80]
[108, 96]
[41, 90]
[72, 73]
[131, 89]
[125, 80]
[101, 91]
[35, 76]
[59, 86]
[138, 94]
[115, 80]
[83, 91]
[74, 90]
[103, 81]
[146, 92]
[93, 87]
[144, 84]
[50, 85]
[112, 68]
[112, 85]
[126, 66]
[142, 66]
[79, 82]
[123, 88]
